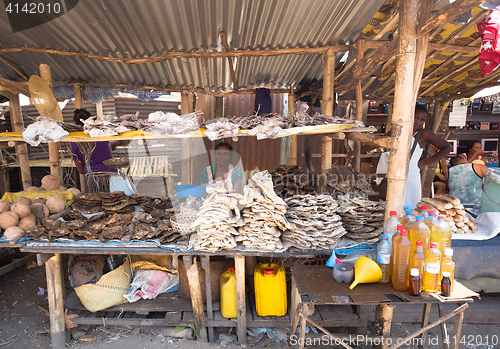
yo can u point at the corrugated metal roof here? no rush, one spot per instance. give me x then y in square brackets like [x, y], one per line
[134, 29]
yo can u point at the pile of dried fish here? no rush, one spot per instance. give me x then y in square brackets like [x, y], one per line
[346, 182]
[157, 123]
[363, 219]
[88, 203]
[220, 128]
[292, 180]
[161, 207]
[270, 128]
[117, 202]
[216, 220]
[314, 222]
[264, 214]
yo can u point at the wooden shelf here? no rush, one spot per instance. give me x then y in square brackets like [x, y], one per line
[376, 114]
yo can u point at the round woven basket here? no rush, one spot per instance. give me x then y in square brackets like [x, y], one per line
[108, 291]
[181, 222]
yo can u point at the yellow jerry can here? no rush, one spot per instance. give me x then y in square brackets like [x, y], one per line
[228, 294]
[270, 289]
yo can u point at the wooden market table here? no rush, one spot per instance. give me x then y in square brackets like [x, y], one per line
[313, 286]
[52, 252]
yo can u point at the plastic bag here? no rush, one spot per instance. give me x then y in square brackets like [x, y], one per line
[67, 196]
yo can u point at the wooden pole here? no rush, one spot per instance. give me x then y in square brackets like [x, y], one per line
[403, 113]
[16, 121]
[421, 52]
[78, 92]
[56, 301]
[360, 51]
[328, 98]
[293, 139]
[196, 299]
[383, 321]
[241, 307]
[185, 144]
[55, 168]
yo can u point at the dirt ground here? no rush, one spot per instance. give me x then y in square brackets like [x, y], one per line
[24, 324]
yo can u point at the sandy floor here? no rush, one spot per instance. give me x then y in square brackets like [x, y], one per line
[24, 324]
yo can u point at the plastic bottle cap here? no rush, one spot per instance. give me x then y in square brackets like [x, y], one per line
[424, 208]
[414, 272]
[420, 243]
[338, 261]
[384, 237]
[448, 251]
[230, 269]
[441, 216]
[404, 232]
[407, 208]
[432, 213]
[420, 218]
[393, 213]
[434, 245]
[409, 211]
[268, 271]
[446, 274]
[400, 227]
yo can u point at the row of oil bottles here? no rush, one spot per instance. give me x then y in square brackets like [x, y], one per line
[270, 291]
[415, 253]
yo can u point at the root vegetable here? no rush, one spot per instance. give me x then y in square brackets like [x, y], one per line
[50, 182]
[8, 219]
[55, 204]
[27, 223]
[22, 210]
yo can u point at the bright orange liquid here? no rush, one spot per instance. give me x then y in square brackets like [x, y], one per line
[432, 274]
[420, 232]
[449, 266]
[401, 263]
[417, 261]
[441, 233]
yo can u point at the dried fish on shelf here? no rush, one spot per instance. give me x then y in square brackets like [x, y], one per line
[292, 180]
[362, 219]
[216, 220]
[347, 182]
[314, 222]
[263, 214]
[220, 128]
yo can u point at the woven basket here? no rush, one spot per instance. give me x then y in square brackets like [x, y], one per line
[181, 222]
[108, 291]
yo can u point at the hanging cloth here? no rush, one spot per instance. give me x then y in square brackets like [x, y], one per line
[489, 54]
[262, 101]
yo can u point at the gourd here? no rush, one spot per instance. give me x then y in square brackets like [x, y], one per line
[8, 219]
[22, 210]
[55, 204]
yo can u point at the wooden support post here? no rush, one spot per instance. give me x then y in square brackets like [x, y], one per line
[78, 93]
[425, 321]
[383, 321]
[457, 329]
[3, 176]
[360, 51]
[402, 119]
[185, 143]
[444, 332]
[421, 51]
[56, 301]
[293, 139]
[55, 167]
[16, 121]
[241, 307]
[328, 100]
[196, 299]
[208, 287]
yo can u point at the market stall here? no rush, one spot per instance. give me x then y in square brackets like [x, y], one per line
[257, 222]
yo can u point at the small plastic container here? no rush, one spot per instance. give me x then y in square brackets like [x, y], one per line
[342, 272]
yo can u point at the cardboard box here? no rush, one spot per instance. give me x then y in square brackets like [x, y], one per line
[485, 126]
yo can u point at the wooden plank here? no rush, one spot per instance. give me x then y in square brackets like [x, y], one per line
[328, 99]
[188, 316]
[383, 321]
[239, 269]
[225, 44]
[56, 302]
[17, 124]
[134, 321]
[208, 288]
[373, 139]
[191, 266]
[16, 264]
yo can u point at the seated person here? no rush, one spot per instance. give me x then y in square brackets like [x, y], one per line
[474, 153]
[465, 180]
[223, 172]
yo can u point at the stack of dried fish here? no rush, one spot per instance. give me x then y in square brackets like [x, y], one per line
[314, 222]
[117, 202]
[292, 180]
[88, 203]
[171, 123]
[264, 214]
[159, 207]
[216, 220]
[363, 219]
[346, 182]
[220, 128]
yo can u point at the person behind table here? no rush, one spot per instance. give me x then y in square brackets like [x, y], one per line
[474, 153]
[89, 154]
[465, 180]
[223, 172]
[413, 191]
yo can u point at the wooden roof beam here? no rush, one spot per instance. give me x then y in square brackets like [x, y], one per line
[449, 76]
[493, 76]
[15, 67]
[15, 87]
[225, 44]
